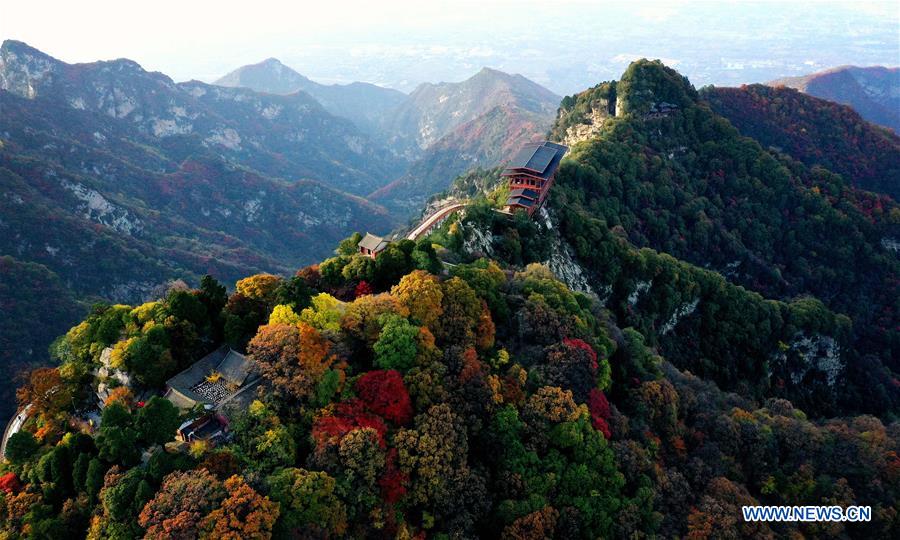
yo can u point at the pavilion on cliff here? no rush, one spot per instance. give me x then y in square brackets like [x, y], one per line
[530, 175]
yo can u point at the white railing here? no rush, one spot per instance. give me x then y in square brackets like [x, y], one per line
[436, 218]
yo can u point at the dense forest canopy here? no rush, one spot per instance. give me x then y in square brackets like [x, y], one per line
[814, 131]
[485, 402]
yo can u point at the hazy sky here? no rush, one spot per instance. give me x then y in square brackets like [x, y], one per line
[565, 45]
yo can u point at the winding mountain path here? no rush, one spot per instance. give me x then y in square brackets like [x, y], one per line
[436, 218]
[15, 424]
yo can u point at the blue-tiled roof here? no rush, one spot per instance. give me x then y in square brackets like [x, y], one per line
[537, 159]
[519, 201]
[524, 193]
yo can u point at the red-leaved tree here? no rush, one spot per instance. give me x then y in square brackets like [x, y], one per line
[393, 481]
[581, 344]
[330, 429]
[362, 289]
[10, 484]
[599, 408]
[384, 394]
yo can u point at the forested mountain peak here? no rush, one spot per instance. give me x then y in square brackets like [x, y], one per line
[682, 180]
[648, 88]
[649, 83]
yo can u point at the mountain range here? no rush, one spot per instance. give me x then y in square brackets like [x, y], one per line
[364, 104]
[874, 92]
[284, 136]
[443, 129]
[138, 180]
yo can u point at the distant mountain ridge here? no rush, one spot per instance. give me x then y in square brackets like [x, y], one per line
[364, 104]
[444, 129]
[873, 91]
[285, 136]
[815, 131]
[434, 110]
[104, 194]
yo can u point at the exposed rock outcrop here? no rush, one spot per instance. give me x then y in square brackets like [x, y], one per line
[809, 357]
[590, 127]
[562, 262]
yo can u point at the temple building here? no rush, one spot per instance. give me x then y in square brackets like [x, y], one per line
[222, 378]
[530, 175]
[372, 245]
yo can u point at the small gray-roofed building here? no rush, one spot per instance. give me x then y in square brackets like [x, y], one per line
[234, 372]
[205, 428]
[372, 245]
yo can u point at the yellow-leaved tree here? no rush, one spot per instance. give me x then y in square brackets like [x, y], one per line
[420, 292]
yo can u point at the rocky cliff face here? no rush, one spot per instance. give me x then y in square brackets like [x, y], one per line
[589, 126]
[581, 117]
[810, 358]
[563, 264]
[23, 70]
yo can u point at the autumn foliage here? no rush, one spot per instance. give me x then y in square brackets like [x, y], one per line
[294, 357]
[384, 394]
[181, 505]
[10, 484]
[599, 408]
[243, 514]
[331, 427]
[494, 402]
